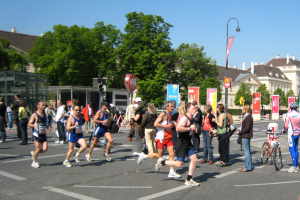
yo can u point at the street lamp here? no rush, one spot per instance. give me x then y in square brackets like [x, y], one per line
[237, 29]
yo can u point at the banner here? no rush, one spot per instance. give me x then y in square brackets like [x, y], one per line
[194, 94]
[211, 98]
[173, 93]
[256, 103]
[275, 107]
[229, 45]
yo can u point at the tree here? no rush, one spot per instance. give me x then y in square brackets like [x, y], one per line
[194, 68]
[265, 95]
[10, 59]
[290, 93]
[283, 99]
[245, 92]
[74, 55]
[146, 52]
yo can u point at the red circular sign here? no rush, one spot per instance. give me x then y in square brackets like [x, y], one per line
[130, 82]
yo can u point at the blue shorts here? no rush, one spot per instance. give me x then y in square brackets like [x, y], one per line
[99, 132]
[74, 137]
[189, 153]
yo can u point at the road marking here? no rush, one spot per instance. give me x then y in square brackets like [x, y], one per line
[226, 173]
[41, 157]
[70, 194]
[126, 145]
[113, 187]
[163, 193]
[12, 176]
[10, 155]
[266, 184]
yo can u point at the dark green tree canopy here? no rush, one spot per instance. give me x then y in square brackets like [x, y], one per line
[73, 55]
[283, 98]
[265, 94]
[10, 59]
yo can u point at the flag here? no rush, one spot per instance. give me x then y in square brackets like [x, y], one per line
[229, 45]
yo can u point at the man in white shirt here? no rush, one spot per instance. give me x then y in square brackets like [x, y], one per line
[60, 120]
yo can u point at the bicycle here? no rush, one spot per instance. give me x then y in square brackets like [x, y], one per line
[271, 148]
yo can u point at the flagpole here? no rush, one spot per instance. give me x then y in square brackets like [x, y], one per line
[227, 55]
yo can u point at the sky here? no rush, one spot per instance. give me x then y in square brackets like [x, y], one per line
[269, 28]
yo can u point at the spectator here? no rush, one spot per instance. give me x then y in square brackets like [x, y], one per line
[197, 121]
[208, 125]
[246, 134]
[223, 121]
[23, 115]
[15, 109]
[2, 120]
[60, 120]
[10, 116]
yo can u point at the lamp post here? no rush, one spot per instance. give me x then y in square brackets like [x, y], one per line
[237, 29]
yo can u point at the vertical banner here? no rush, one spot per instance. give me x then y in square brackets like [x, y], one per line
[211, 98]
[290, 101]
[194, 94]
[275, 107]
[173, 93]
[256, 105]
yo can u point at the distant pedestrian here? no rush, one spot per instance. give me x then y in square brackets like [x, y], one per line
[2, 120]
[15, 109]
[223, 130]
[60, 119]
[197, 121]
[23, 115]
[10, 116]
[246, 134]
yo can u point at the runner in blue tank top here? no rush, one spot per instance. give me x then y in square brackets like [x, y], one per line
[101, 119]
[75, 135]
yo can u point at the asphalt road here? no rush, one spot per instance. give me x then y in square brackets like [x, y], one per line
[123, 179]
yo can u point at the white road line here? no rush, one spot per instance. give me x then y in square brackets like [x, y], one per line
[112, 187]
[41, 157]
[163, 193]
[11, 155]
[12, 176]
[266, 184]
[226, 173]
[70, 194]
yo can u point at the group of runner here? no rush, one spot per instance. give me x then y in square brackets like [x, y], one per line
[74, 126]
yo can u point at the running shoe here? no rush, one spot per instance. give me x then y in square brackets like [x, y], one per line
[141, 157]
[158, 164]
[107, 157]
[67, 163]
[88, 157]
[35, 164]
[293, 170]
[191, 183]
[173, 174]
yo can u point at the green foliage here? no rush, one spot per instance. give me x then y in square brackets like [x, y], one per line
[10, 59]
[282, 97]
[265, 94]
[244, 91]
[290, 93]
[146, 52]
[74, 55]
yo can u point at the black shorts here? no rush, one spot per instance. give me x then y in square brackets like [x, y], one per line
[41, 138]
[184, 148]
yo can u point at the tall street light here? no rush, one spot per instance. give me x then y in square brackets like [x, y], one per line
[229, 42]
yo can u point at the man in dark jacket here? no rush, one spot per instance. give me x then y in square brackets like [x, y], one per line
[2, 120]
[197, 121]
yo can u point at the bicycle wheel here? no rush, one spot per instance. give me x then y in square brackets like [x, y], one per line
[264, 157]
[277, 158]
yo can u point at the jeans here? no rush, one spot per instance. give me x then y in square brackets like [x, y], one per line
[10, 119]
[293, 148]
[23, 128]
[247, 153]
[208, 148]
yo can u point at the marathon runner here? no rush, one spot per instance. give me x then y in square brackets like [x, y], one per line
[75, 135]
[101, 119]
[39, 123]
